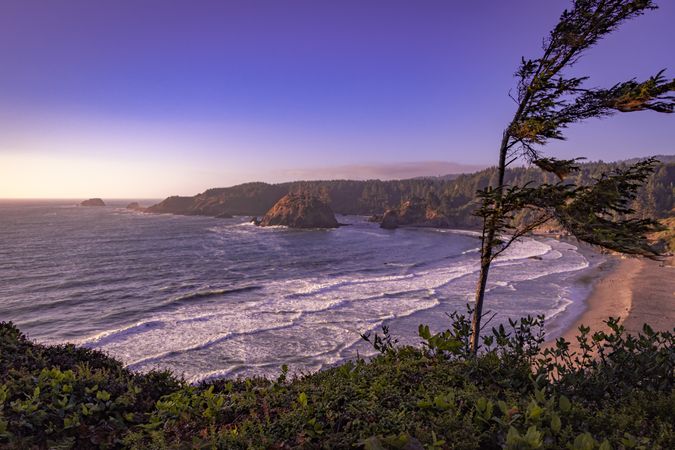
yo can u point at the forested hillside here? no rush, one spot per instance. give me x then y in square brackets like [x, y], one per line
[456, 195]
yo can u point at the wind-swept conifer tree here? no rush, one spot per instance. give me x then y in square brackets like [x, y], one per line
[548, 101]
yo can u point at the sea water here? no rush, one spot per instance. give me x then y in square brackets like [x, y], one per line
[210, 297]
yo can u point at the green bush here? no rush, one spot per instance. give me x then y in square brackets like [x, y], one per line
[69, 397]
[513, 395]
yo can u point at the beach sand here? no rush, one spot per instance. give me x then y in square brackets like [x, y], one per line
[637, 290]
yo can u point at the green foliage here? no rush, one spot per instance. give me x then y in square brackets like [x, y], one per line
[512, 395]
[601, 214]
[69, 397]
[548, 101]
[665, 239]
[382, 344]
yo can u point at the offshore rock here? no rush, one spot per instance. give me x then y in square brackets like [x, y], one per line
[135, 206]
[389, 220]
[93, 202]
[300, 211]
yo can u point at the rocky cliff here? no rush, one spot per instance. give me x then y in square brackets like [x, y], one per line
[300, 211]
[249, 199]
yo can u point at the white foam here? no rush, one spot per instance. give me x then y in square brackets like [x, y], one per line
[459, 231]
[195, 327]
[184, 332]
[259, 330]
[471, 250]
[525, 248]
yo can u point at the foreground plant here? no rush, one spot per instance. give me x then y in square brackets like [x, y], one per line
[513, 395]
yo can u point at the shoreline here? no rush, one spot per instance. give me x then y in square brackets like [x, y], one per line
[637, 290]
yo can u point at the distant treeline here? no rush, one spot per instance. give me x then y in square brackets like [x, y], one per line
[456, 195]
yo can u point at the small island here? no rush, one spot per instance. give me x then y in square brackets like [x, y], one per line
[416, 212]
[300, 210]
[93, 202]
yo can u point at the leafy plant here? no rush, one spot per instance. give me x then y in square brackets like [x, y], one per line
[512, 395]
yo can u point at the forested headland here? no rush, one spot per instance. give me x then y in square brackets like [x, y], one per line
[455, 194]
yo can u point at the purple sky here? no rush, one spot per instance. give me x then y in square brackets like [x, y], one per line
[150, 98]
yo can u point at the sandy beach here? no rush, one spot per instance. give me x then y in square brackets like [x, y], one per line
[637, 290]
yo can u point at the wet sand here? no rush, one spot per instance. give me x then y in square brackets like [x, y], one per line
[637, 290]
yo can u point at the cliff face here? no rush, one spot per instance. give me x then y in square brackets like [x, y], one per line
[250, 199]
[93, 202]
[173, 205]
[300, 211]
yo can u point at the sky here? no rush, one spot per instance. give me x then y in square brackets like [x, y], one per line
[150, 98]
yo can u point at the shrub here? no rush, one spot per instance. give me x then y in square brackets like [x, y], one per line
[512, 395]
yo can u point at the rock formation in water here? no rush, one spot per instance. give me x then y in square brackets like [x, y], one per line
[300, 210]
[389, 220]
[93, 202]
[416, 212]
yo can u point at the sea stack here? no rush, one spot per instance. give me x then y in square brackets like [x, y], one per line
[93, 202]
[389, 220]
[300, 210]
[416, 212]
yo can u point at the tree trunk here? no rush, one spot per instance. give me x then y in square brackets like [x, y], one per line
[486, 254]
[486, 249]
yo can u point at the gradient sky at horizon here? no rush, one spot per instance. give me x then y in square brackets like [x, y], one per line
[148, 98]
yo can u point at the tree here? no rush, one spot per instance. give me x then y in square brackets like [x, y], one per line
[548, 102]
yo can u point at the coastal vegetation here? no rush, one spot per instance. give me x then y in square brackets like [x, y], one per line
[617, 392]
[664, 239]
[549, 99]
[456, 195]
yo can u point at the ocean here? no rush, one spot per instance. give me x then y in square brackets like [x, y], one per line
[210, 297]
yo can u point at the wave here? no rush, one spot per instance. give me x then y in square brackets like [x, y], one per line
[264, 319]
[458, 231]
[195, 294]
[526, 248]
[317, 288]
[202, 345]
[213, 293]
[561, 306]
[404, 265]
[108, 336]
[316, 360]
